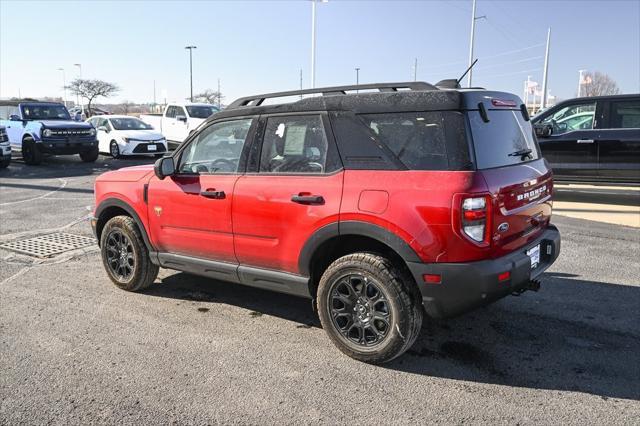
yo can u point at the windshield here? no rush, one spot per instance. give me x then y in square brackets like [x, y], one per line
[45, 112]
[129, 123]
[505, 140]
[201, 111]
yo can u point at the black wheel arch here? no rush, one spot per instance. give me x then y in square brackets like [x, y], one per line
[114, 207]
[340, 238]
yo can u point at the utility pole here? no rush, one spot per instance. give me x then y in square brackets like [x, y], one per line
[219, 94]
[580, 82]
[313, 44]
[154, 96]
[543, 101]
[64, 87]
[357, 76]
[474, 18]
[190, 48]
[313, 41]
[415, 70]
[80, 77]
[526, 91]
[300, 81]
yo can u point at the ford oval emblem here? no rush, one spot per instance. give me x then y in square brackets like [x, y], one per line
[503, 227]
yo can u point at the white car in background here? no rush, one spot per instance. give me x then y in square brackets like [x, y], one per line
[124, 135]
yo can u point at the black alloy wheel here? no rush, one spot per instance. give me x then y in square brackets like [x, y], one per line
[360, 310]
[120, 256]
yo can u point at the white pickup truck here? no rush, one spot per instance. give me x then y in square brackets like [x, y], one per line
[179, 120]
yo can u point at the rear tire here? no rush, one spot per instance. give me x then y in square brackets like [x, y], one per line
[5, 163]
[90, 156]
[125, 256]
[31, 153]
[369, 307]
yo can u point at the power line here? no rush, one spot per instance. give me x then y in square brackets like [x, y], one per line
[509, 52]
[516, 72]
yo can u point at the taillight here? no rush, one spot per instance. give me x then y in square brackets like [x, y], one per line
[475, 214]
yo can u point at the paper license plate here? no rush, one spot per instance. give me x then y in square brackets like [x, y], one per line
[151, 147]
[534, 255]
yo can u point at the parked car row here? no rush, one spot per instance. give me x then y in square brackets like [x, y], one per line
[36, 128]
[595, 139]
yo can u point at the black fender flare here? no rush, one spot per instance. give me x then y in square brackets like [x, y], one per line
[353, 227]
[116, 202]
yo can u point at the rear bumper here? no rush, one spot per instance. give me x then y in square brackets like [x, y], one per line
[465, 286]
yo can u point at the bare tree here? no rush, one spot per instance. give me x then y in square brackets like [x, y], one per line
[598, 84]
[125, 107]
[210, 96]
[92, 89]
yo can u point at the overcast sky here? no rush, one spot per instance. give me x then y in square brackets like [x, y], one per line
[260, 46]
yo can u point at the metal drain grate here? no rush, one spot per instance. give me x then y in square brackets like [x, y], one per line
[49, 244]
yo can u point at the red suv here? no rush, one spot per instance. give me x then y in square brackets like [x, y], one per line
[379, 202]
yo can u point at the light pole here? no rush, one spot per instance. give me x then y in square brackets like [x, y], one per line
[313, 41]
[80, 77]
[580, 81]
[474, 18]
[357, 76]
[190, 48]
[64, 87]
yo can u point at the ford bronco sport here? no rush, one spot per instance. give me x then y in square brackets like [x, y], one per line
[37, 128]
[379, 202]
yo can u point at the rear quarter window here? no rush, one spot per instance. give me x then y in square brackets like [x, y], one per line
[422, 140]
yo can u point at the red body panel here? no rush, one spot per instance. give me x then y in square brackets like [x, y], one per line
[257, 223]
[182, 221]
[269, 229]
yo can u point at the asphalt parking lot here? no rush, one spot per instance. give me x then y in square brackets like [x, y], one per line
[76, 350]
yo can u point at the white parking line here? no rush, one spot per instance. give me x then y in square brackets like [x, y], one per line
[62, 185]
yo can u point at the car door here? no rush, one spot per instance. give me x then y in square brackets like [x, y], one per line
[103, 135]
[294, 189]
[14, 128]
[619, 144]
[190, 211]
[571, 149]
[180, 124]
[168, 123]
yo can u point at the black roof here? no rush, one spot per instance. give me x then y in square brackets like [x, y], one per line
[603, 97]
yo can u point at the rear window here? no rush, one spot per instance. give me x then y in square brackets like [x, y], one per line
[423, 140]
[505, 140]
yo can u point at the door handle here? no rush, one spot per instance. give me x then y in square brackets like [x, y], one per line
[212, 193]
[307, 199]
[585, 140]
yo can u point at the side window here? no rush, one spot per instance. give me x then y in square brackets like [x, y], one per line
[294, 144]
[180, 111]
[572, 117]
[217, 149]
[625, 115]
[171, 112]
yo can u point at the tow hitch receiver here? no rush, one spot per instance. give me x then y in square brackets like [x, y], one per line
[533, 285]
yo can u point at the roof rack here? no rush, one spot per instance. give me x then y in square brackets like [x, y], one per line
[257, 100]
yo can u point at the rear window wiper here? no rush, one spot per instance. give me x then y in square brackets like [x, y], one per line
[521, 153]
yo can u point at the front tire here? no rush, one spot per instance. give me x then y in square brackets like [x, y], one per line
[125, 256]
[114, 149]
[369, 307]
[90, 156]
[31, 153]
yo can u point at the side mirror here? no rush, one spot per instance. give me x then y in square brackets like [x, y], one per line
[543, 130]
[103, 129]
[14, 117]
[181, 118]
[164, 167]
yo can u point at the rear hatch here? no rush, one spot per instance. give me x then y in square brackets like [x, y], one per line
[518, 178]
